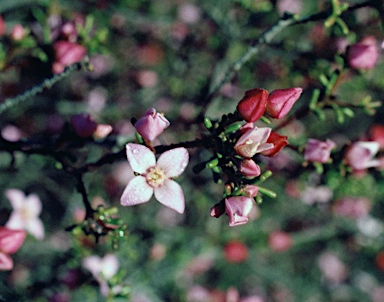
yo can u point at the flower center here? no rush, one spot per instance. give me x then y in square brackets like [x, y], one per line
[155, 177]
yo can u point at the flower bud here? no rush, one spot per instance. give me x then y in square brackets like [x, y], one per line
[238, 209]
[102, 131]
[278, 141]
[235, 251]
[360, 155]
[249, 168]
[218, 209]
[318, 151]
[83, 125]
[67, 53]
[252, 106]
[253, 141]
[151, 125]
[281, 101]
[364, 54]
[17, 32]
[250, 190]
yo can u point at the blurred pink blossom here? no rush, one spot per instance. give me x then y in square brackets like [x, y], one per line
[332, 268]
[197, 293]
[291, 6]
[189, 13]
[10, 242]
[280, 101]
[279, 241]
[147, 78]
[360, 155]
[253, 141]
[17, 32]
[235, 251]
[320, 194]
[376, 134]
[238, 209]
[151, 125]
[155, 177]
[26, 210]
[318, 151]
[11, 133]
[353, 207]
[67, 53]
[3, 26]
[102, 131]
[364, 54]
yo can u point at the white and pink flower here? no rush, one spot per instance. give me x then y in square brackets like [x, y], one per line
[155, 178]
[238, 208]
[360, 155]
[253, 141]
[25, 215]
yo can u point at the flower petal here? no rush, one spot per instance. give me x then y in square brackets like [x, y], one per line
[11, 240]
[93, 264]
[15, 221]
[140, 157]
[136, 192]
[35, 227]
[6, 263]
[33, 205]
[171, 195]
[109, 266]
[16, 198]
[173, 162]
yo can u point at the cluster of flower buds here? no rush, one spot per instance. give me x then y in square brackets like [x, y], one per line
[237, 146]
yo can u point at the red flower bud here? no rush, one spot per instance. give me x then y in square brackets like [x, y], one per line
[252, 106]
[218, 209]
[281, 101]
[278, 141]
[364, 54]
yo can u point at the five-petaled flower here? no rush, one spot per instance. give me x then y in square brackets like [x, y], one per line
[10, 242]
[25, 215]
[155, 177]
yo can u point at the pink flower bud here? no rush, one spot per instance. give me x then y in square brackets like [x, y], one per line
[278, 141]
[235, 251]
[252, 106]
[11, 240]
[253, 141]
[249, 168]
[250, 190]
[281, 101]
[360, 155]
[318, 151]
[17, 32]
[279, 241]
[238, 209]
[67, 53]
[218, 209]
[364, 54]
[83, 125]
[151, 125]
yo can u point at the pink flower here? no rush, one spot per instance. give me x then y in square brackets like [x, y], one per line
[359, 155]
[238, 209]
[3, 26]
[318, 151]
[253, 141]
[155, 177]
[151, 125]
[353, 207]
[67, 53]
[376, 134]
[252, 106]
[249, 168]
[332, 268]
[279, 241]
[26, 210]
[10, 242]
[235, 251]
[364, 54]
[281, 101]
[278, 141]
[17, 32]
